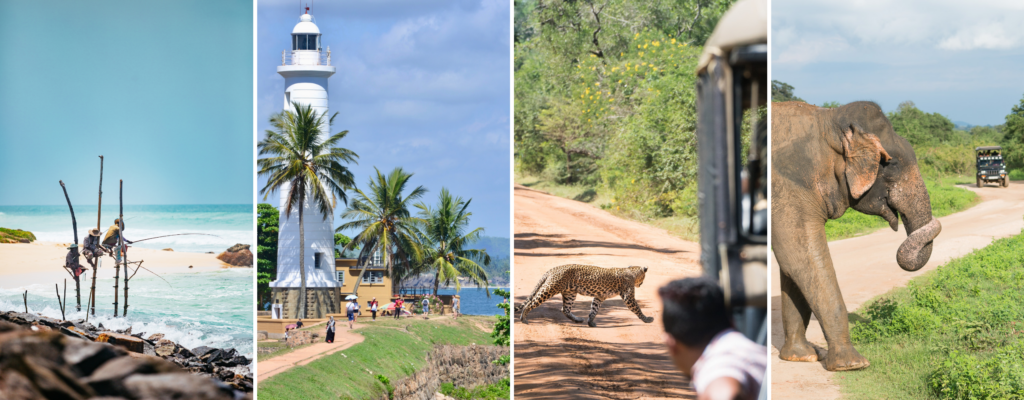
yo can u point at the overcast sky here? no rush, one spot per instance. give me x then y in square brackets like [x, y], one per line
[162, 89]
[421, 84]
[963, 59]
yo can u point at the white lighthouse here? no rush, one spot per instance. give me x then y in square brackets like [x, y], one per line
[306, 68]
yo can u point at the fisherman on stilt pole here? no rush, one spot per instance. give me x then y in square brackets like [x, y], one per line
[95, 258]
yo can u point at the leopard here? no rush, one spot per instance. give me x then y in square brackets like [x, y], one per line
[589, 280]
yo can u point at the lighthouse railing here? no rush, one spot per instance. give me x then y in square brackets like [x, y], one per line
[296, 58]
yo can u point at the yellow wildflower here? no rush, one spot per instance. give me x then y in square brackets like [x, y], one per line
[597, 83]
[620, 80]
[673, 41]
[644, 63]
[641, 54]
[656, 43]
[645, 46]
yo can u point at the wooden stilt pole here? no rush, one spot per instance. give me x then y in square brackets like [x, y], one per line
[24, 298]
[74, 230]
[120, 241]
[97, 260]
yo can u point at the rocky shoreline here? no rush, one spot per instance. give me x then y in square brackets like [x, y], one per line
[42, 357]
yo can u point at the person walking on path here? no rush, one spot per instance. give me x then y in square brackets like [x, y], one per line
[456, 305]
[330, 329]
[426, 307]
[350, 311]
[398, 307]
[373, 308]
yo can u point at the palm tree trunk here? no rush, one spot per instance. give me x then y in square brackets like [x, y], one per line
[437, 281]
[302, 260]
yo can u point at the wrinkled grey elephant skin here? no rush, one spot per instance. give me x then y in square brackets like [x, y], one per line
[825, 161]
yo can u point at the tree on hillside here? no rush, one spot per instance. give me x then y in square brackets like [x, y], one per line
[307, 167]
[446, 248]
[831, 104]
[782, 91]
[1013, 137]
[266, 250]
[382, 215]
[925, 129]
[565, 126]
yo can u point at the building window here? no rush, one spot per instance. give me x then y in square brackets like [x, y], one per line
[376, 258]
[305, 42]
[317, 257]
[370, 277]
[341, 277]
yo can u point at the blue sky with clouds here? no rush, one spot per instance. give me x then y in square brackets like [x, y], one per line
[962, 59]
[163, 89]
[421, 84]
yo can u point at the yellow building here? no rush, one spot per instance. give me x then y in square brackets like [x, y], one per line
[375, 282]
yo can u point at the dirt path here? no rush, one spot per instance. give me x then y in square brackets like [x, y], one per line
[866, 267]
[343, 339]
[622, 357]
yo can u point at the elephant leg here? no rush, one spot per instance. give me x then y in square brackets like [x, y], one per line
[595, 306]
[796, 313]
[804, 257]
[568, 298]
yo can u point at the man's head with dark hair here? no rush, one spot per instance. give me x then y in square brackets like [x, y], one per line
[694, 312]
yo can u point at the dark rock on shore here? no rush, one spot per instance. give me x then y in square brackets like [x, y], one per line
[238, 255]
[42, 357]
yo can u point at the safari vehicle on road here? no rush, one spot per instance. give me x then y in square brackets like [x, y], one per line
[991, 167]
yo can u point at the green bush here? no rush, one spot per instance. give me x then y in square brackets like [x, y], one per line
[500, 390]
[967, 376]
[15, 236]
[1017, 175]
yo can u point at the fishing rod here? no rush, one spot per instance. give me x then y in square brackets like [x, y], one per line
[176, 234]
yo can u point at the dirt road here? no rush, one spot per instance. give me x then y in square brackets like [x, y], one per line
[866, 267]
[623, 357]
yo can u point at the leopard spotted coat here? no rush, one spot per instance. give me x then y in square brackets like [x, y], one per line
[588, 280]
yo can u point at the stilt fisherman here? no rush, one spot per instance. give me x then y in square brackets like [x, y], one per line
[110, 239]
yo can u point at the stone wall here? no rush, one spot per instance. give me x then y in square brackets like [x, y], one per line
[467, 366]
[319, 301]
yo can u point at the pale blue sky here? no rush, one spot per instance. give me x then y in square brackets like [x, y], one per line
[961, 59]
[163, 89]
[421, 84]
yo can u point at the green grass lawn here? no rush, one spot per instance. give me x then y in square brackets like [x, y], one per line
[946, 199]
[953, 333]
[683, 227]
[395, 349]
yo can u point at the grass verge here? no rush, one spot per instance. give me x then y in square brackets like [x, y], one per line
[1017, 175]
[953, 333]
[683, 227]
[392, 348]
[946, 199]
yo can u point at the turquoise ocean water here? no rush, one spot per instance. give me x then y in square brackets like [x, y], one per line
[207, 308]
[229, 223]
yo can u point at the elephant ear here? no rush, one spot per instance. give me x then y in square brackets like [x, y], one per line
[862, 152]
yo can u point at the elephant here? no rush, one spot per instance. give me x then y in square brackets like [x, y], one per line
[824, 162]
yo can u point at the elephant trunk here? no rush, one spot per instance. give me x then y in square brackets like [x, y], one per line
[915, 251]
[914, 206]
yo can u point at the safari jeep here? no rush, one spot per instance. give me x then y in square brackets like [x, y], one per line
[991, 167]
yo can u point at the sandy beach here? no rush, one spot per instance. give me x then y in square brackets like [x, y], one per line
[42, 262]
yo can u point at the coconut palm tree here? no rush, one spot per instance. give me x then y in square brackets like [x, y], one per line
[308, 167]
[382, 216]
[445, 231]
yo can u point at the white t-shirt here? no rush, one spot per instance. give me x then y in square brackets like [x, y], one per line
[373, 307]
[351, 307]
[733, 355]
